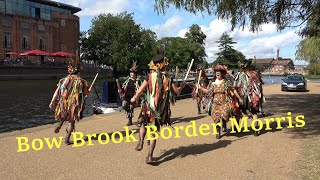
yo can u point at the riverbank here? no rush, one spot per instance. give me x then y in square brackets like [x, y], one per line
[47, 73]
[31, 97]
[273, 155]
[312, 76]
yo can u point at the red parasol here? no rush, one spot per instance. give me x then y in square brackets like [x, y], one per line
[11, 52]
[35, 52]
[62, 54]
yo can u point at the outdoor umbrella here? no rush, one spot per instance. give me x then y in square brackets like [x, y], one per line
[35, 52]
[13, 53]
[62, 54]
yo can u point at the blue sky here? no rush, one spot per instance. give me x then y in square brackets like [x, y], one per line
[176, 22]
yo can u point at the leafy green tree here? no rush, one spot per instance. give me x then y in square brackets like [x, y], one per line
[147, 48]
[309, 50]
[254, 13]
[180, 51]
[227, 54]
[117, 40]
[196, 42]
[177, 50]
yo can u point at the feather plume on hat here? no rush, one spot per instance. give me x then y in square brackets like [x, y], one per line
[134, 67]
[74, 65]
[219, 67]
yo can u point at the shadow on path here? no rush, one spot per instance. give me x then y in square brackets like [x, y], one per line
[186, 119]
[298, 104]
[194, 149]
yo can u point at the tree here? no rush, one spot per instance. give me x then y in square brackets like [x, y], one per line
[309, 50]
[196, 42]
[227, 55]
[147, 48]
[180, 51]
[254, 13]
[312, 28]
[177, 50]
[117, 40]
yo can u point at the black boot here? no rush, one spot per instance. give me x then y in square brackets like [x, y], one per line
[129, 122]
[256, 133]
[224, 126]
[199, 109]
[218, 136]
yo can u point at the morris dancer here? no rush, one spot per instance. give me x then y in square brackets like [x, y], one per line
[222, 105]
[250, 89]
[200, 97]
[129, 88]
[155, 108]
[69, 98]
[262, 99]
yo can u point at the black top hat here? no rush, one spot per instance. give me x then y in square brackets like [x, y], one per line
[158, 58]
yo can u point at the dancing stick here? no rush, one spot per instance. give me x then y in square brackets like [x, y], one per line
[94, 80]
[199, 81]
[118, 84]
[185, 78]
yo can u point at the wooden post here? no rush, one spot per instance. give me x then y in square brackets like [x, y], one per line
[177, 71]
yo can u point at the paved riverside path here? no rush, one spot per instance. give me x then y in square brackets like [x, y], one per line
[272, 155]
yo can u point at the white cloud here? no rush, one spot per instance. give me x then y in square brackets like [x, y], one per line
[267, 46]
[262, 44]
[182, 33]
[110, 6]
[172, 25]
[77, 3]
[94, 8]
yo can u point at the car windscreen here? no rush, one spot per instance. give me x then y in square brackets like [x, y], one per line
[295, 78]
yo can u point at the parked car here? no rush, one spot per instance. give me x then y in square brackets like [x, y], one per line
[295, 82]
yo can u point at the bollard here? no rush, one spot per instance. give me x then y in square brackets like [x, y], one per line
[105, 92]
[119, 103]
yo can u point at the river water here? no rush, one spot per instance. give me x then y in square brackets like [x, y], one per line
[24, 104]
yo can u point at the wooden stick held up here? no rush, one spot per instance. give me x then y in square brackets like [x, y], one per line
[94, 80]
[199, 81]
[185, 78]
[118, 84]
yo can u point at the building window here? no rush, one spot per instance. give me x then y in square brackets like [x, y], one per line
[6, 22]
[25, 42]
[25, 25]
[63, 47]
[42, 44]
[7, 40]
[63, 22]
[41, 27]
[2, 7]
[35, 12]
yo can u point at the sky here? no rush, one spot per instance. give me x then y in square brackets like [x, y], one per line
[176, 23]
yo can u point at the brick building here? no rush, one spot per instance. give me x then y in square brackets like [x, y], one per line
[263, 64]
[38, 24]
[282, 65]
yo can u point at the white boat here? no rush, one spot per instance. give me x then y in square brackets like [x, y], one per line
[104, 108]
